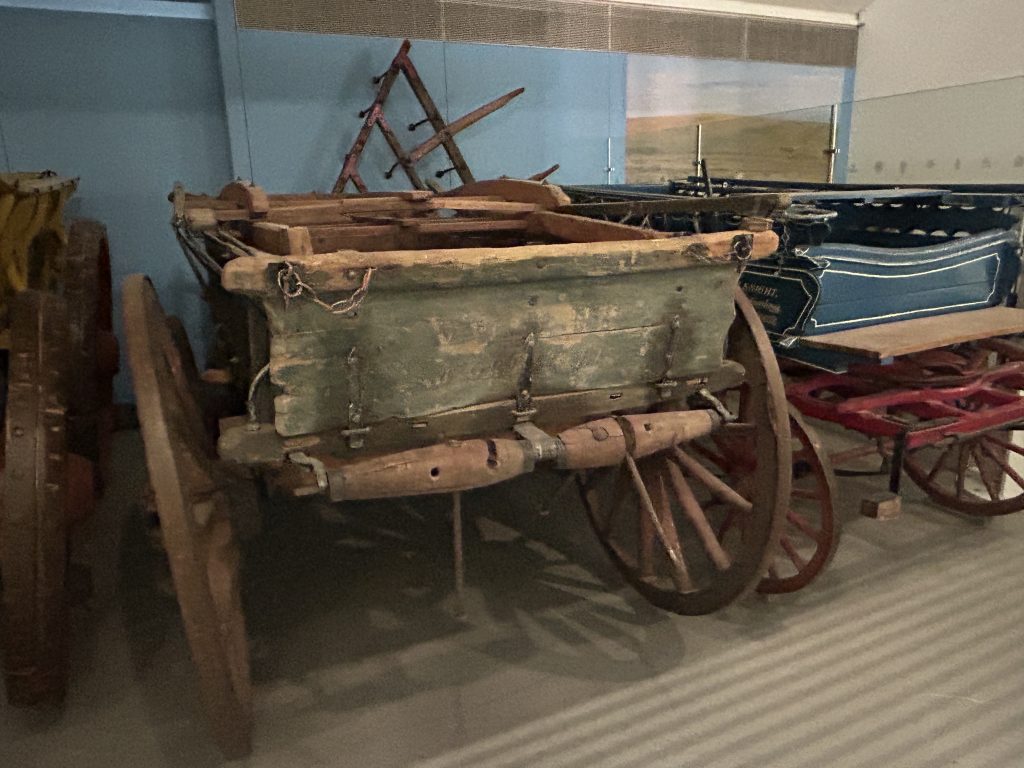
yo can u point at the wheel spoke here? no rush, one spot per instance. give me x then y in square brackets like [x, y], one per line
[717, 459]
[710, 481]
[618, 497]
[802, 524]
[1004, 444]
[663, 507]
[961, 470]
[811, 494]
[691, 508]
[794, 556]
[993, 483]
[938, 464]
[646, 535]
[1010, 471]
[680, 576]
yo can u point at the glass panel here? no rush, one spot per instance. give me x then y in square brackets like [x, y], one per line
[785, 145]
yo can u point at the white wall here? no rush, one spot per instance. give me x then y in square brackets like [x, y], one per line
[965, 60]
[914, 45]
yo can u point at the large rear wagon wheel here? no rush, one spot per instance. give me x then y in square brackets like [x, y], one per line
[93, 344]
[694, 528]
[193, 503]
[33, 522]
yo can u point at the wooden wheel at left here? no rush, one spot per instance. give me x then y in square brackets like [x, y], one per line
[693, 528]
[193, 503]
[33, 522]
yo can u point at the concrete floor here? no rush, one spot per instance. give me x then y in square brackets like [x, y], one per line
[908, 652]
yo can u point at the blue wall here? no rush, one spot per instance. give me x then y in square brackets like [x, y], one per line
[303, 93]
[129, 105]
[132, 104]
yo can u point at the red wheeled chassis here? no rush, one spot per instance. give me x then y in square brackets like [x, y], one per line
[945, 416]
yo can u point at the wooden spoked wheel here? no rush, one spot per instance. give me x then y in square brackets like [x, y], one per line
[33, 523]
[974, 475]
[192, 499]
[693, 528]
[981, 474]
[93, 344]
[810, 532]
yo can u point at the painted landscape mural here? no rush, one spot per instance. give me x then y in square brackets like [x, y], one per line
[760, 120]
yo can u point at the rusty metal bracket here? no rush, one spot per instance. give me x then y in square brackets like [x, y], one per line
[540, 445]
[742, 247]
[355, 432]
[703, 398]
[319, 470]
[667, 385]
[524, 400]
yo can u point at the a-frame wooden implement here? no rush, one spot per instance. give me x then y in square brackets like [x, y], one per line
[444, 133]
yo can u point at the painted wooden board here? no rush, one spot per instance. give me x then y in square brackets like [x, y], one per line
[905, 337]
[408, 354]
[410, 269]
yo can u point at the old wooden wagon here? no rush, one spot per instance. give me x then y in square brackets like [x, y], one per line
[57, 357]
[414, 343]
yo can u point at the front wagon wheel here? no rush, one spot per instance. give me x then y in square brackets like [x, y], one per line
[694, 528]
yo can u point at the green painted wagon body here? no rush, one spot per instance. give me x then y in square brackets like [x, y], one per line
[441, 348]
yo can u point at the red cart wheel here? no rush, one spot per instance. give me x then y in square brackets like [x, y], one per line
[810, 533]
[33, 524]
[692, 529]
[193, 504]
[974, 475]
[93, 344]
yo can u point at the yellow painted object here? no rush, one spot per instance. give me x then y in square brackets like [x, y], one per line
[32, 236]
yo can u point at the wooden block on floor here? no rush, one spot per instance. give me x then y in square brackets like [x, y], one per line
[881, 506]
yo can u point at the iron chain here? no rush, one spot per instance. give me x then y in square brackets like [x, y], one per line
[292, 286]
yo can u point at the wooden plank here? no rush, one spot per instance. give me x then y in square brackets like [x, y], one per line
[486, 204]
[465, 225]
[547, 196]
[758, 204]
[365, 237]
[580, 229]
[381, 234]
[905, 337]
[281, 240]
[341, 271]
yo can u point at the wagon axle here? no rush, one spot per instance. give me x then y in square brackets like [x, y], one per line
[461, 465]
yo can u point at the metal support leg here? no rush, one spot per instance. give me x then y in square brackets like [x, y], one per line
[460, 566]
[896, 463]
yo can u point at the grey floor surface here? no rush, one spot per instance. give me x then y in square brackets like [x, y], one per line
[908, 652]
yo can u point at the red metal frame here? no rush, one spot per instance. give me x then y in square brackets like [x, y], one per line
[866, 402]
